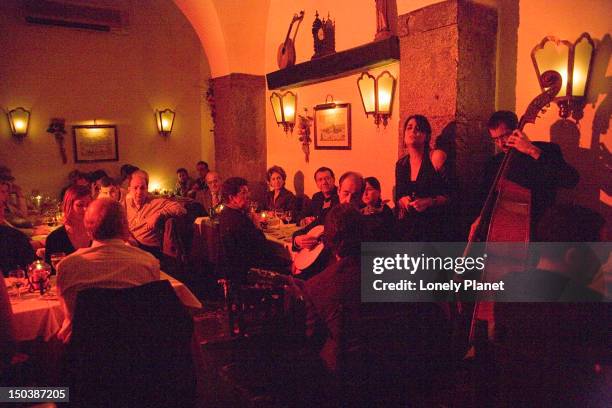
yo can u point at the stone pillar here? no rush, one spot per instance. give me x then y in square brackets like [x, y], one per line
[240, 127]
[447, 73]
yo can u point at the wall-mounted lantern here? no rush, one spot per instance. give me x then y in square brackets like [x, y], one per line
[284, 107]
[165, 121]
[377, 95]
[19, 119]
[573, 62]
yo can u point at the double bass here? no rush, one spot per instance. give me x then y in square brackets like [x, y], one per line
[506, 214]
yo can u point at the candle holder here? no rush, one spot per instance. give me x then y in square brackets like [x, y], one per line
[38, 276]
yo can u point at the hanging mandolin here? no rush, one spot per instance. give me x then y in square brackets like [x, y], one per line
[286, 51]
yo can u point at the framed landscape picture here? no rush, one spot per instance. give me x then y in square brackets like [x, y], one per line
[332, 126]
[95, 143]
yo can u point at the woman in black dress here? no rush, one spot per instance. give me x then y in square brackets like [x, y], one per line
[378, 220]
[72, 235]
[421, 188]
[278, 198]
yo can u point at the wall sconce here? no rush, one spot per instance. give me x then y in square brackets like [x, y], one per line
[377, 95]
[19, 119]
[573, 62]
[284, 107]
[165, 121]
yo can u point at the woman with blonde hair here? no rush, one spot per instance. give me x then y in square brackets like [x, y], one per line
[72, 235]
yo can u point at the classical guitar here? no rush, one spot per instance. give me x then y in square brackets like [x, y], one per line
[307, 257]
[286, 51]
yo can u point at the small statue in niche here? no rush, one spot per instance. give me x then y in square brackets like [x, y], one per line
[324, 35]
[386, 19]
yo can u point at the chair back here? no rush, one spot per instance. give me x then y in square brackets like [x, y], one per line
[131, 347]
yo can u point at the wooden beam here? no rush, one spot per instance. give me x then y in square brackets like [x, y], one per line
[336, 65]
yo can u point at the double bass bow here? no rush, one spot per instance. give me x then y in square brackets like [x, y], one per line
[506, 214]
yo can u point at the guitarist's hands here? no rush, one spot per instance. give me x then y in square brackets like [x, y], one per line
[306, 241]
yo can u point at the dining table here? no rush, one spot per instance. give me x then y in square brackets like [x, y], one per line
[206, 241]
[41, 316]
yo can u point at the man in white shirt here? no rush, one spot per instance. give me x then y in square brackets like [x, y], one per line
[108, 263]
[145, 214]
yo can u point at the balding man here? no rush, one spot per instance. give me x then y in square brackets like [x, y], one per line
[146, 214]
[211, 197]
[108, 263]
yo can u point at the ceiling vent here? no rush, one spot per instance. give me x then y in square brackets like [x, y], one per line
[73, 15]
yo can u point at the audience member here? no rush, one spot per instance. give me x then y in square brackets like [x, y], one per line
[184, 183]
[200, 182]
[278, 198]
[72, 235]
[75, 178]
[95, 178]
[15, 248]
[108, 189]
[146, 215]
[15, 205]
[243, 244]
[324, 199]
[211, 197]
[124, 178]
[377, 216]
[548, 350]
[108, 263]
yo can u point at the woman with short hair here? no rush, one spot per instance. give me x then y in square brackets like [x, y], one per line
[278, 198]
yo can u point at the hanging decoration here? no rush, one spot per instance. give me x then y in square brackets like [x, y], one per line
[304, 124]
[57, 127]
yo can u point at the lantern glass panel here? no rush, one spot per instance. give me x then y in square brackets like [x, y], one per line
[366, 85]
[167, 120]
[582, 59]
[386, 84]
[19, 119]
[554, 57]
[275, 100]
[289, 102]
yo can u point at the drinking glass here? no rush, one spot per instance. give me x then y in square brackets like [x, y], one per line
[279, 213]
[18, 279]
[287, 216]
[56, 257]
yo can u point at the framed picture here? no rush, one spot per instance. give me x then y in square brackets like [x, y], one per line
[95, 143]
[332, 126]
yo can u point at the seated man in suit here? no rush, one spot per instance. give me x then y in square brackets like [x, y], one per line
[109, 263]
[243, 244]
[211, 196]
[324, 199]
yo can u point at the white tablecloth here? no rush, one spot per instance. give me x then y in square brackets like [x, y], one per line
[35, 316]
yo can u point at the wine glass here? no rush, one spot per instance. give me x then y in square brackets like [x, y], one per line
[288, 216]
[18, 279]
[279, 213]
[56, 257]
